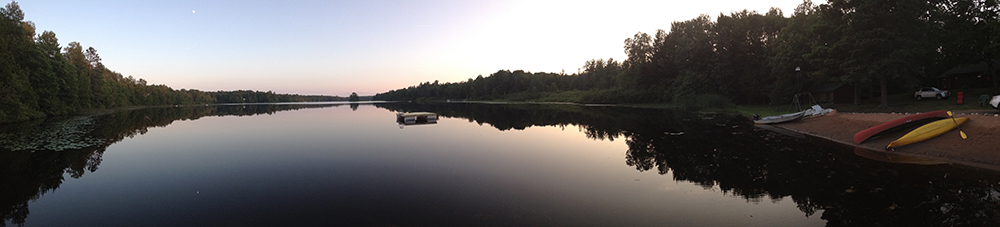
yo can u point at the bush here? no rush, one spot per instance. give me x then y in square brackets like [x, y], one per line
[623, 96]
[522, 96]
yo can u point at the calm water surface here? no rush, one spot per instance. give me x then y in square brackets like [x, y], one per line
[480, 164]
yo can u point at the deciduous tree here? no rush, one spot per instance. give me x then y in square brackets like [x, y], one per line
[353, 97]
[887, 40]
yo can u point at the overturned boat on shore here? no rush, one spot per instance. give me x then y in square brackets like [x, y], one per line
[780, 118]
[930, 130]
[903, 122]
[815, 111]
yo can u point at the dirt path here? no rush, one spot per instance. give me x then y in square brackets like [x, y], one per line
[981, 149]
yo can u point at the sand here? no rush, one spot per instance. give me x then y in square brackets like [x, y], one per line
[981, 149]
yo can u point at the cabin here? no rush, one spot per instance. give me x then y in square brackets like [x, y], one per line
[968, 76]
[836, 92]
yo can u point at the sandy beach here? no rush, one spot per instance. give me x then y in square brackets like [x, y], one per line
[981, 149]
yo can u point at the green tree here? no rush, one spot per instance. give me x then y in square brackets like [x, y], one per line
[93, 59]
[12, 11]
[49, 44]
[810, 41]
[597, 74]
[640, 50]
[887, 41]
[685, 56]
[17, 98]
[967, 32]
[353, 97]
[74, 53]
[742, 40]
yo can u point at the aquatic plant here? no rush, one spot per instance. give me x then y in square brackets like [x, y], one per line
[59, 135]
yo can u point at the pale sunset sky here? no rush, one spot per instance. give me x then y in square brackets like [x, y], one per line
[338, 47]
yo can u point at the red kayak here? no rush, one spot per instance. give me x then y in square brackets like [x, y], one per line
[899, 123]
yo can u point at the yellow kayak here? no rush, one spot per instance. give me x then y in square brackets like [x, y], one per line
[930, 130]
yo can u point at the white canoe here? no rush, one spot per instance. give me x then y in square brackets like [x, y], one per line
[780, 118]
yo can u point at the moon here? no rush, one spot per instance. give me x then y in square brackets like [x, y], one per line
[192, 11]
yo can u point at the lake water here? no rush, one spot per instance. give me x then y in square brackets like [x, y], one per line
[326, 164]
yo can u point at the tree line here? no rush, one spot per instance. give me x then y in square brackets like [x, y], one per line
[39, 78]
[501, 84]
[752, 58]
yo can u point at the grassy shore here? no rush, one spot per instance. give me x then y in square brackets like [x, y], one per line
[906, 103]
[897, 103]
[903, 102]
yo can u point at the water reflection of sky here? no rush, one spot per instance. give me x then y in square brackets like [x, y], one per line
[336, 165]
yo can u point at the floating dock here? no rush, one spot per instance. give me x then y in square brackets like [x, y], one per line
[417, 118]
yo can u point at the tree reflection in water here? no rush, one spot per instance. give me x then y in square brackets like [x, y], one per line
[29, 171]
[712, 150]
[728, 152]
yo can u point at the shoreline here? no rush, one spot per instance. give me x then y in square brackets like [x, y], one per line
[978, 151]
[103, 111]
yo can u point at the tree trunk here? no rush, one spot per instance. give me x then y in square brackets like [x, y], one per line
[857, 93]
[871, 92]
[884, 104]
[993, 73]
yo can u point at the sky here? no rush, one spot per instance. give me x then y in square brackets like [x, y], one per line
[323, 47]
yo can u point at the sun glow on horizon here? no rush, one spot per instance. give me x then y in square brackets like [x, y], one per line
[320, 47]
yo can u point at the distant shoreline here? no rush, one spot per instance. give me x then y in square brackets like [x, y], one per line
[103, 111]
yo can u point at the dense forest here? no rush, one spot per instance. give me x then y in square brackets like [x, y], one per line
[40, 78]
[751, 58]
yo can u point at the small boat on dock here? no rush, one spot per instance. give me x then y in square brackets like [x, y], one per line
[817, 111]
[930, 130]
[900, 123]
[780, 118]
